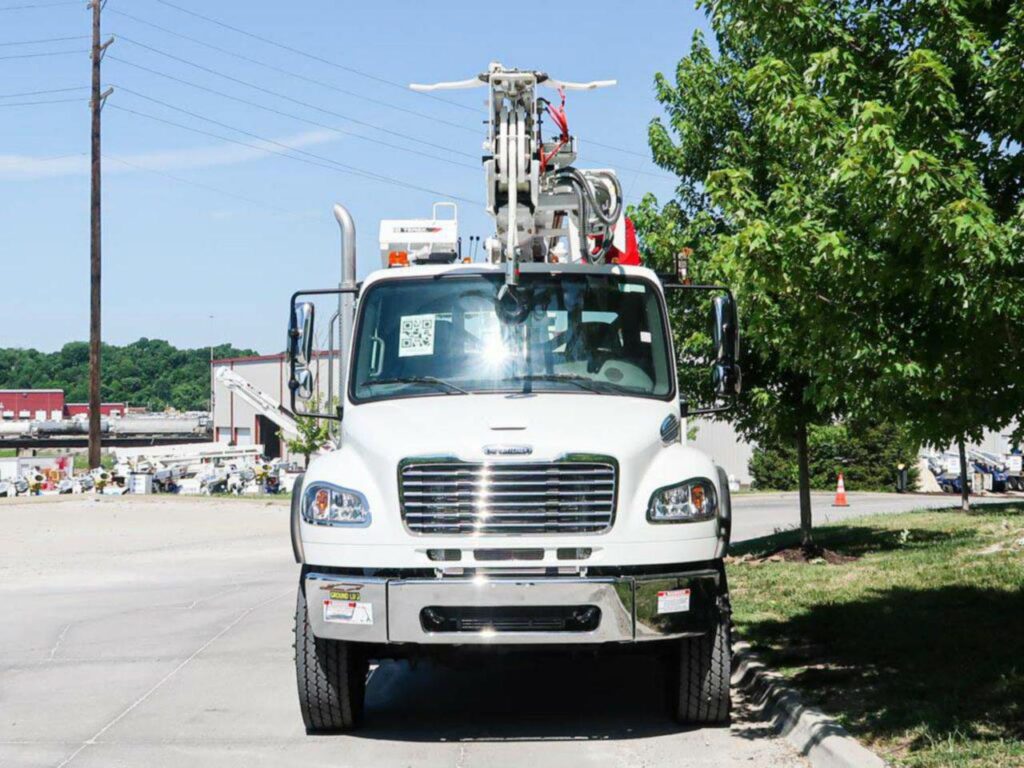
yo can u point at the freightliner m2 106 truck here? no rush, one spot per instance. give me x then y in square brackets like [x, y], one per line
[509, 467]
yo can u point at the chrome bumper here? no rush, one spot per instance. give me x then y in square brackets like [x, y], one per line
[631, 608]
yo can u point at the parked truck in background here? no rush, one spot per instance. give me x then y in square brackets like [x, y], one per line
[510, 470]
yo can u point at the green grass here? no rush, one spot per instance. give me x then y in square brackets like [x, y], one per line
[917, 646]
[7, 453]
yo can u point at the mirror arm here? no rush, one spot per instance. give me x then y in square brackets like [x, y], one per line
[685, 287]
[711, 409]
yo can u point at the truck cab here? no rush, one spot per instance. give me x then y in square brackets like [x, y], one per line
[508, 473]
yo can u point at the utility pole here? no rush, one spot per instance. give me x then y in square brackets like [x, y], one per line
[96, 105]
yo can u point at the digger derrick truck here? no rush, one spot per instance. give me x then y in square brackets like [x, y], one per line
[511, 468]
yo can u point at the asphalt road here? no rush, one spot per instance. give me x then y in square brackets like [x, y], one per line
[760, 514]
[158, 632]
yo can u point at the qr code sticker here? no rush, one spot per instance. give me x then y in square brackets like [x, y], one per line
[416, 335]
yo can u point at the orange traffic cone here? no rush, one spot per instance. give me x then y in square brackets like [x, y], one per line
[840, 493]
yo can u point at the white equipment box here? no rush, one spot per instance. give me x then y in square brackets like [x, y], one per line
[140, 483]
[420, 241]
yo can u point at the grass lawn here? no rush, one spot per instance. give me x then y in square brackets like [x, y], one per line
[7, 453]
[916, 645]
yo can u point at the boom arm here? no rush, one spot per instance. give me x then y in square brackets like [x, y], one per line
[534, 193]
[258, 399]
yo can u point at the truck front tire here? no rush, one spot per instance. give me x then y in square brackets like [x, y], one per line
[700, 695]
[331, 676]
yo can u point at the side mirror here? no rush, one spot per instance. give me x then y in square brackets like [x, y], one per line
[724, 329]
[726, 374]
[727, 379]
[316, 377]
[300, 350]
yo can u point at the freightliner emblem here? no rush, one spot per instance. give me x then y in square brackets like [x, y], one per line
[508, 450]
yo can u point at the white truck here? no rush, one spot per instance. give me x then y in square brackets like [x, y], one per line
[510, 466]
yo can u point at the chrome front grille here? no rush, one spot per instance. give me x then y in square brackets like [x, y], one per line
[453, 497]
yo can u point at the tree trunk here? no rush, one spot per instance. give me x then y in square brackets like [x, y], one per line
[803, 465]
[965, 499]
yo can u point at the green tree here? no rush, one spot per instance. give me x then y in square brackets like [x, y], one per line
[853, 171]
[149, 372]
[868, 455]
[313, 433]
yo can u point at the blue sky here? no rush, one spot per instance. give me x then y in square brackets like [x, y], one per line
[228, 230]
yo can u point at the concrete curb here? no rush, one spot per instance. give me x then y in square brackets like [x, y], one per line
[815, 735]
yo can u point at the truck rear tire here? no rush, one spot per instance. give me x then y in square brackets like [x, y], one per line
[701, 695]
[331, 676]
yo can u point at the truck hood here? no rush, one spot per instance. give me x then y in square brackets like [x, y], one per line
[376, 437]
[538, 427]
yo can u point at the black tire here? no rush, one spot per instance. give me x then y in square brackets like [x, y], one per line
[331, 676]
[701, 694]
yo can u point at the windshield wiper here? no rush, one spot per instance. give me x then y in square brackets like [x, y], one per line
[420, 380]
[583, 382]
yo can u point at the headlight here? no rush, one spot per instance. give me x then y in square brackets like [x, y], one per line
[325, 504]
[689, 502]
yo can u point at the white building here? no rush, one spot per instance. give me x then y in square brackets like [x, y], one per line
[719, 440]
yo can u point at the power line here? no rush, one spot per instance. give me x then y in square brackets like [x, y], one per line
[308, 55]
[46, 53]
[314, 81]
[44, 40]
[40, 93]
[34, 103]
[38, 5]
[327, 162]
[293, 116]
[332, 87]
[296, 75]
[361, 73]
[54, 158]
[617, 149]
[301, 103]
[351, 70]
[198, 184]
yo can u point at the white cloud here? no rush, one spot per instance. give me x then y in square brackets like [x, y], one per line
[24, 167]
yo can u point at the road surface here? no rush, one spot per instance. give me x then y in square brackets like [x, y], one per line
[760, 514]
[157, 631]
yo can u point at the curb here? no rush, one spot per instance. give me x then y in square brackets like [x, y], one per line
[815, 735]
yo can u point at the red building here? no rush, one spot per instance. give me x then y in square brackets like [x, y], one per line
[31, 404]
[106, 409]
[47, 405]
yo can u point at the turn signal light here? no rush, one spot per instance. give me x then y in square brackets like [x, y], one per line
[398, 259]
[321, 500]
[697, 497]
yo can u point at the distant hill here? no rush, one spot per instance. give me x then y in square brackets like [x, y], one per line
[147, 372]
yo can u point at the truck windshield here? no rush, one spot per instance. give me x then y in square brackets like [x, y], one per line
[601, 334]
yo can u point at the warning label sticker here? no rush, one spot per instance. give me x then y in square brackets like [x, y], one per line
[416, 335]
[674, 601]
[348, 612]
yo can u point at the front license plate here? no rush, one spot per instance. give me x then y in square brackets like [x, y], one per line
[348, 612]
[674, 601]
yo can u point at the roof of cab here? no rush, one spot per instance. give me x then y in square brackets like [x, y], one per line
[430, 270]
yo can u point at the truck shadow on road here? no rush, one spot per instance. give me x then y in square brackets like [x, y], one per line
[491, 697]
